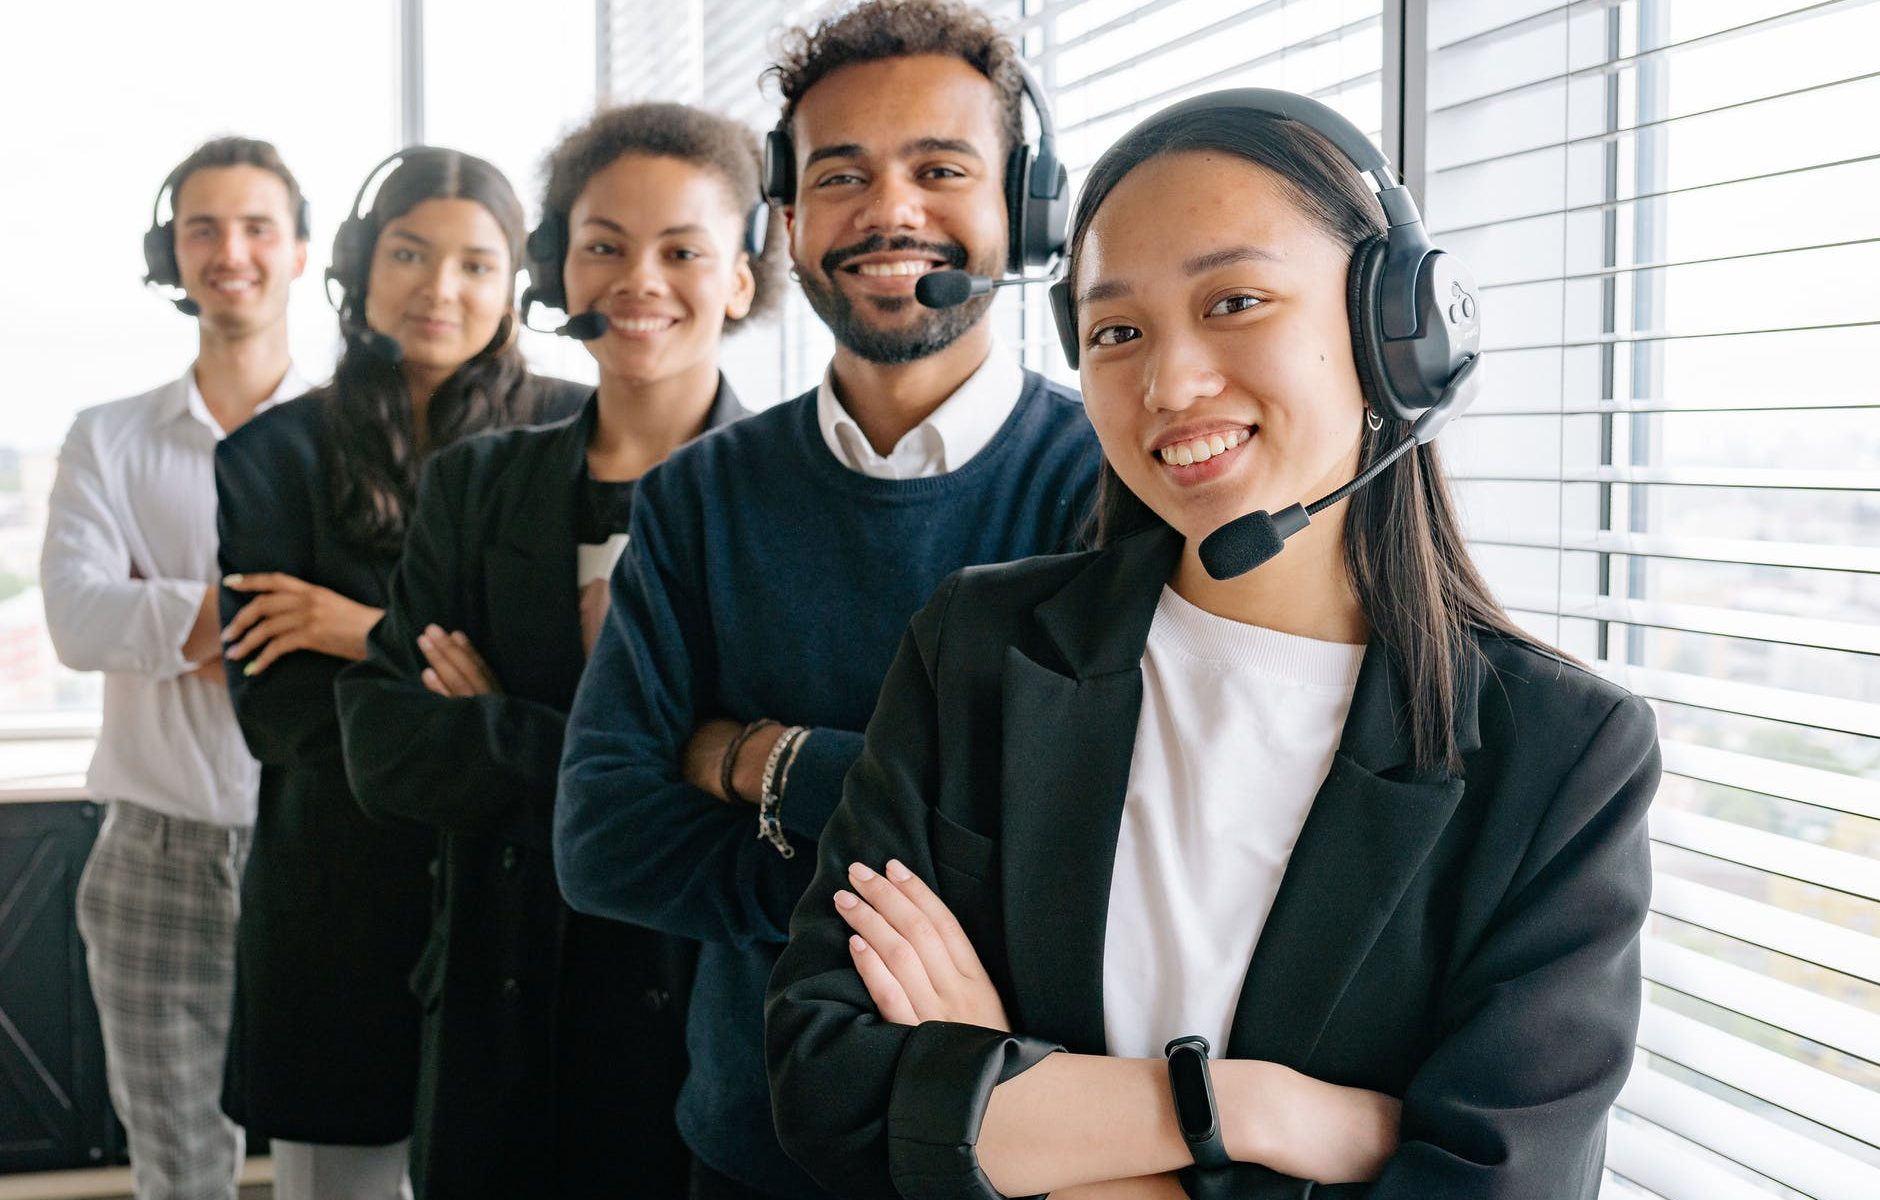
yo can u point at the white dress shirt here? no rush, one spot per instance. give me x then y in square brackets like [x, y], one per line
[1237, 732]
[130, 551]
[946, 441]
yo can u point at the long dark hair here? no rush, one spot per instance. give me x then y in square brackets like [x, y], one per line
[373, 443]
[1408, 561]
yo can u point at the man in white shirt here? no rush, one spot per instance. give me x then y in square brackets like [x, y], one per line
[128, 573]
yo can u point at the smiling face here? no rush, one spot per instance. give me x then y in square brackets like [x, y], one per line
[440, 282]
[237, 249]
[656, 243]
[1217, 361]
[900, 166]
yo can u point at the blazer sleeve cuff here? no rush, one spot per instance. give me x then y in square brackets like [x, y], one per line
[942, 1084]
[1248, 1181]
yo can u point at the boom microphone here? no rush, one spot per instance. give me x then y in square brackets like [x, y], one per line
[1245, 542]
[949, 289]
[584, 327]
[380, 346]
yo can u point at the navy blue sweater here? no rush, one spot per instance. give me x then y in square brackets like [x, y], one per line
[764, 579]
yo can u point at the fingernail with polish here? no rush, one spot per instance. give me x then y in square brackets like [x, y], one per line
[251, 668]
[897, 872]
[846, 899]
[232, 580]
[858, 871]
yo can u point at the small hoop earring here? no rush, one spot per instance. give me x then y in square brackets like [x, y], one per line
[1372, 421]
[794, 277]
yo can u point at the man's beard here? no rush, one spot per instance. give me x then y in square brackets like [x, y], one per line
[933, 331]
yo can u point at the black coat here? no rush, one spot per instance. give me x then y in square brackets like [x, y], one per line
[323, 1046]
[1469, 944]
[553, 1042]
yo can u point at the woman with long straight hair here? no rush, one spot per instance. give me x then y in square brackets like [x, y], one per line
[315, 496]
[1160, 873]
[553, 1041]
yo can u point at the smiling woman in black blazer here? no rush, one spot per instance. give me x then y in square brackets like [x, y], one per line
[314, 497]
[1338, 815]
[553, 1041]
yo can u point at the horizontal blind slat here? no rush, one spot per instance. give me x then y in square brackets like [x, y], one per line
[1767, 926]
[1850, 794]
[1742, 1137]
[1669, 1166]
[1836, 715]
[1752, 994]
[1776, 854]
[1830, 1102]
[1860, 560]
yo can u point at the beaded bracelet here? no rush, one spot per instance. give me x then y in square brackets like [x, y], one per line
[770, 801]
[727, 765]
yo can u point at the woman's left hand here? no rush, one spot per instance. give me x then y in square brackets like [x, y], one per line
[291, 614]
[914, 958]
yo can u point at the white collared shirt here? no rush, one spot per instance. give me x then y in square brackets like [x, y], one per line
[130, 551]
[946, 441]
[1236, 734]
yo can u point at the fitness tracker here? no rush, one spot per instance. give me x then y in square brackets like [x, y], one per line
[1193, 1090]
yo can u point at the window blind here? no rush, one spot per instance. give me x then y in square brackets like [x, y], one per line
[1674, 473]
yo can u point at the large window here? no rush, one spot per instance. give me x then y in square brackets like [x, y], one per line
[91, 133]
[1673, 473]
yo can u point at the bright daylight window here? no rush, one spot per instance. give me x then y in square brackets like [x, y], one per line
[89, 332]
[1672, 473]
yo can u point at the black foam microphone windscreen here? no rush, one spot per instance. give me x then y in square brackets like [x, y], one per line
[585, 327]
[946, 289]
[380, 346]
[1245, 542]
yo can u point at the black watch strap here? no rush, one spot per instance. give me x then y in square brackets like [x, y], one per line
[1193, 1089]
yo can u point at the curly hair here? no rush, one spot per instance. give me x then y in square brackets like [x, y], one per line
[691, 135]
[878, 29]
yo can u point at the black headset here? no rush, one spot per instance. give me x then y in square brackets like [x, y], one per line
[160, 267]
[547, 249]
[353, 242]
[1037, 188]
[1414, 323]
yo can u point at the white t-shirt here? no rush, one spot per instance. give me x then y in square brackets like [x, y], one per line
[1237, 732]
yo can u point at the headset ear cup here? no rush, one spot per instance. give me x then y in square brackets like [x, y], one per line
[546, 247]
[779, 167]
[350, 269]
[160, 265]
[757, 229]
[1361, 303]
[1017, 209]
[1048, 211]
[1064, 318]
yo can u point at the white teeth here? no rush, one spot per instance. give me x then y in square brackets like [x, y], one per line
[231, 285]
[642, 324]
[904, 267]
[1183, 454]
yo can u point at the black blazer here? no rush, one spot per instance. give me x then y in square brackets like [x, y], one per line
[538, 1022]
[1467, 944]
[323, 1045]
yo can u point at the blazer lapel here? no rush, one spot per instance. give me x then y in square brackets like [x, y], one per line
[1069, 734]
[1364, 840]
[532, 567]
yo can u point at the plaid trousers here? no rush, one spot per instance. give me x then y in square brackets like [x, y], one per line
[157, 907]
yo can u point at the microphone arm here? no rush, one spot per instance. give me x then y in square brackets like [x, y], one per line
[949, 289]
[1245, 542]
[583, 326]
